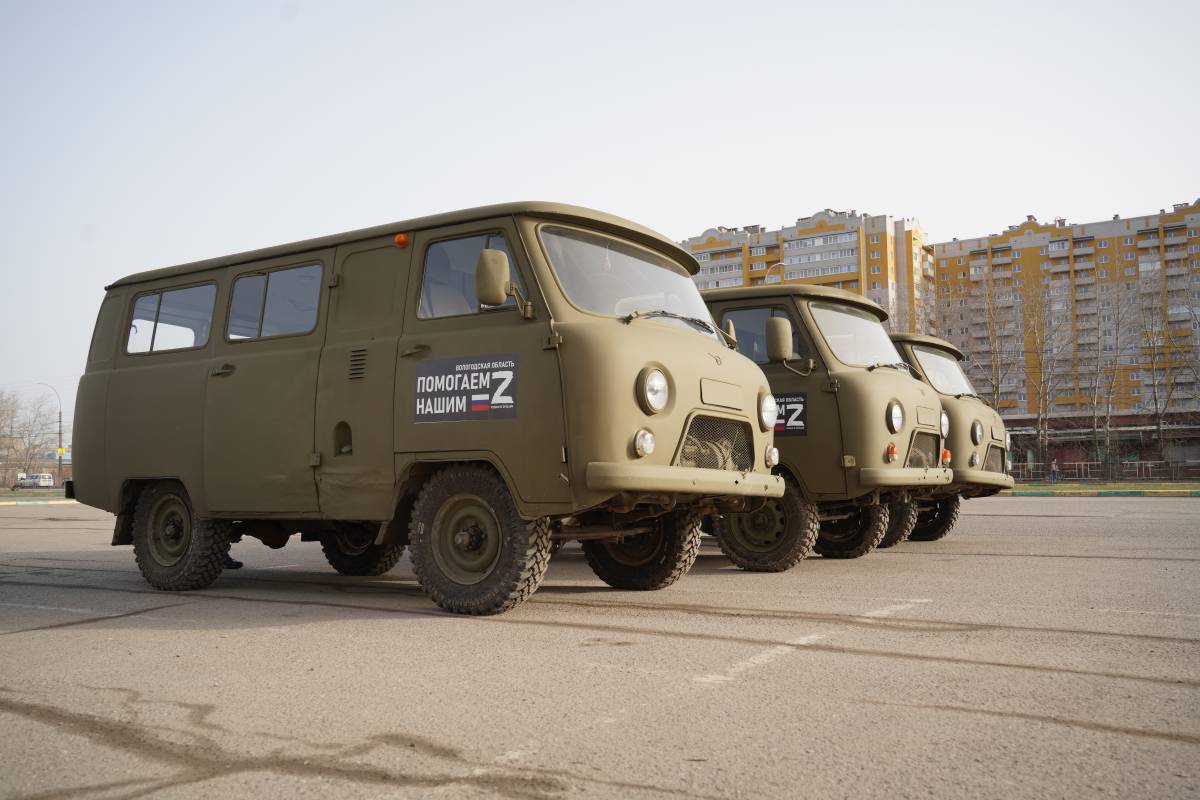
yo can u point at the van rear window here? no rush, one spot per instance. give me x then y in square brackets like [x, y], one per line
[275, 303]
[175, 319]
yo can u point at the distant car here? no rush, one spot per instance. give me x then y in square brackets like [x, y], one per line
[35, 481]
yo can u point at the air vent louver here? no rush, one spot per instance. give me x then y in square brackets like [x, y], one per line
[358, 364]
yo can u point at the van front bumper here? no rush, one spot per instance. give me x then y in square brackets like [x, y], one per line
[904, 476]
[605, 476]
[979, 477]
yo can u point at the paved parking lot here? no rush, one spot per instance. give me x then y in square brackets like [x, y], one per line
[1048, 648]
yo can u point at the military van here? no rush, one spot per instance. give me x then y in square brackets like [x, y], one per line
[473, 385]
[857, 435]
[980, 445]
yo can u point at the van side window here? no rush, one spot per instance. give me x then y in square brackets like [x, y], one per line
[750, 324]
[448, 280]
[276, 303]
[176, 319]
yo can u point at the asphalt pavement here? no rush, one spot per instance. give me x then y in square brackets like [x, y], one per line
[1050, 647]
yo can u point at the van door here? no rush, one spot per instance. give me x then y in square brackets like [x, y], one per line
[480, 382]
[261, 395]
[355, 389]
[808, 430]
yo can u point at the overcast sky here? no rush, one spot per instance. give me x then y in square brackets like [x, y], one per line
[142, 135]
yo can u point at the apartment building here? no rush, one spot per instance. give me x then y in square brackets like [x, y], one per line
[885, 258]
[1078, 320]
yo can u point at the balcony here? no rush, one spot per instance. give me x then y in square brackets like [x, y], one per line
[1084, 263]
[1085, 280]
[1151, 242]
[1175, 254]
[1175, 238]
[1086, 250]
[1002, 258]
[1059, 266]
[1177, 270]
[1179, 313]
[977, 262]
[1084, 310]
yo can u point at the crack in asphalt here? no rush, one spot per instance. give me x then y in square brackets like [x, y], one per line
[635, 631]
[1185, 738]
[204, 759]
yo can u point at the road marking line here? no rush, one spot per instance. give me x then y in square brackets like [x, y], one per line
[51, 608]
[764, 657]
[888, 611]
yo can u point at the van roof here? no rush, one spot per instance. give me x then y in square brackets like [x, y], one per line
[930, 341]
[554, 211]
[797, 289]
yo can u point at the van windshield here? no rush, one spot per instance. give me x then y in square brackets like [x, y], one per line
[856, 336]
[943, 370]
[607, 275]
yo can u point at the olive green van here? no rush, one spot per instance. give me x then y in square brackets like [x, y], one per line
[978, 440]
[857, 434]
[475, 385]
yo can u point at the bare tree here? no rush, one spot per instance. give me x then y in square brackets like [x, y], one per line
[32, 432]
[1048, 340]
[8, 421]
[999, 356]
[1108, 340]
[1157, 351]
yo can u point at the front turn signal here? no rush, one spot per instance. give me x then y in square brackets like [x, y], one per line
[945, 457]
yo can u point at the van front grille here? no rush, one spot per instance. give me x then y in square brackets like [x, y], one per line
[994, 460]
[924, 451]
[715, 443]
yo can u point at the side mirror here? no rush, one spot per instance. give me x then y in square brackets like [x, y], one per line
[779, 340]
[730, 331]
[491, 277]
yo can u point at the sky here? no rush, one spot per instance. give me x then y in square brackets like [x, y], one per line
[140, 135]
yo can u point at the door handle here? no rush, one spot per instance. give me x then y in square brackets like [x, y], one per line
[416, 349]
[224, 369]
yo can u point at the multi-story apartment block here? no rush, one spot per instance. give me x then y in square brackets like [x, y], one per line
[1084, 320]
[884, 258]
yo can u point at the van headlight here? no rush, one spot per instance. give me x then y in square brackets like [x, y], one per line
[643, 443]
[654, 391]
[768, 410]
[895, 416]
[945, 425]
[976, 432]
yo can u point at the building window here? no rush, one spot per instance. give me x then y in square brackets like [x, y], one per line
[962, 275]
[1016, 253]
[874, 238]
[874, 284]
[1128, 240]
[1193, 233]
[1130, 271]
[1103, 259]
[703, 256]
[758, 251]
[1058, 247]
[1103, 243]
[1129, 256]
[1016, 268]
[875, 270]
[874, 254]
[960, 262]
[1041, 251]
[1103, 273]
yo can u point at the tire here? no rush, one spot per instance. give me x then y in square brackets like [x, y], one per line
[902, 517]
[937, 521]
[772, 539]
[854, 536]
[471, 551]
[652, 560]
[174, 550]
[350, 549]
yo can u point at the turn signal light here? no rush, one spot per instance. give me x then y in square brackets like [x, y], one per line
[945, 457]
[891, 452]
[401, 240]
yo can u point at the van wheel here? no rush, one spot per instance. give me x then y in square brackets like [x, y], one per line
[471, 551]
[174, 550]
[651, 560]
[936, 521]
[902, 517]
[855, 536]
[773, 538]
[350, 549]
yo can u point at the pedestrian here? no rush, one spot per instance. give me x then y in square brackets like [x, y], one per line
[1054, 471]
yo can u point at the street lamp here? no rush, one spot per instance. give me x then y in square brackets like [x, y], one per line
[767, 274]
[59, 450]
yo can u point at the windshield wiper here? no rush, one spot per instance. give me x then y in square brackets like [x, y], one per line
[693, 321]
[894, 365]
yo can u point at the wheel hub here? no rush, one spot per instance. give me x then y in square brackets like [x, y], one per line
[466, 539]
[761, 529]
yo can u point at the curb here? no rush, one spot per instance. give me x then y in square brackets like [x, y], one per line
[34, 502]
[1101, 493]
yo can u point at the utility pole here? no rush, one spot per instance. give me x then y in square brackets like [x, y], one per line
[59, 450]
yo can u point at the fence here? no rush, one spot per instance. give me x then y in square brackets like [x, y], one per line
[1084, 471]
